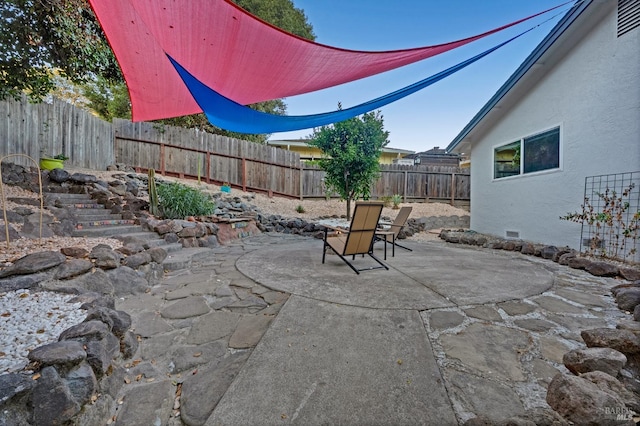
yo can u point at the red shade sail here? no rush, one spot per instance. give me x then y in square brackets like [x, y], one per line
[230, 51]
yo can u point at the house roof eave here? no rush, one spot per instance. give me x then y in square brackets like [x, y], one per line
[556, 32]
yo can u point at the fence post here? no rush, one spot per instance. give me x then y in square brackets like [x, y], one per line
[208, 166]
[453, 188]
[162, 159]
[301, 182]
[404, 191]
[244, 174]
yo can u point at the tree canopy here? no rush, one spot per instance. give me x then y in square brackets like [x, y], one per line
[280, 13]
[40, 36]
[351, 150]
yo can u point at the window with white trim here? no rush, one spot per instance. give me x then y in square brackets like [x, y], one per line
[530, 154]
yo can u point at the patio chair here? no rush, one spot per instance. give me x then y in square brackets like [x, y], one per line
[359, 238]
[392, 233]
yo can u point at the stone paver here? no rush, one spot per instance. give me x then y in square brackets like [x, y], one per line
[185, 308]
[246, 335]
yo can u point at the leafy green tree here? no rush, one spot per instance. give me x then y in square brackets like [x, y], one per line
[38, 36]
[280, 13]
[351, 152]
[108, 100]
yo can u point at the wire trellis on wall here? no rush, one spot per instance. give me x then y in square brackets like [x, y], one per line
[611, 217]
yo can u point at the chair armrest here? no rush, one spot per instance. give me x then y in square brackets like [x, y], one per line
[330, 232]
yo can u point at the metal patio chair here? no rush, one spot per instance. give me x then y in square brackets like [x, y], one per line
[392, 233]
[358, 240]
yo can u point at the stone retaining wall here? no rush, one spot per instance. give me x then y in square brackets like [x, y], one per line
[64, 377]
[562, 255]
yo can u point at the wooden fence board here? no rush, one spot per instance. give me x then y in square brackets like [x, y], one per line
[50, 129]
[93, 143]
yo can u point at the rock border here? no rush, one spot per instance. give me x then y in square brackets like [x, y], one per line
[604, 385]
[561, 255]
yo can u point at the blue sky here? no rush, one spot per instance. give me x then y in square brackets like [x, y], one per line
[435, 115]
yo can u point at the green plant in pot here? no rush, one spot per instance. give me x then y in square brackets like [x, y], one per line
[56, 162]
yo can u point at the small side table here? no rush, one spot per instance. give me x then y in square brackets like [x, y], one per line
[386, 235]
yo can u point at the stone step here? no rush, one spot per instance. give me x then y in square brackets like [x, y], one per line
[171, 247]
[149, 239]
[92, 210]
[142, 235]
[184, 258]
[104, 223]
[64, 197]
[67, 195]
[105, 231]
[83, 206]
[76, 204]
[95, 216]
[168, 247]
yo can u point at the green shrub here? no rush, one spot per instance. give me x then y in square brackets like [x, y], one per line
[396, 199]
[179, 201]
[300, 208]
[386, 200]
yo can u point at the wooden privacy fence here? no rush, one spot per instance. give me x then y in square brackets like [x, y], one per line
[174, 151]
[60, 128]
[413, 183]
[188, 153]
[49, 129]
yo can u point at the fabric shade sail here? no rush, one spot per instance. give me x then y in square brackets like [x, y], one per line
[230, 115]
[232, 52]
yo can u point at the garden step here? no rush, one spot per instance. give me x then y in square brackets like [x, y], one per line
[97, 216]
[86, 203]
[170, 247]
[144, 236]
[92, 210]
[183, 259]
[82, 206]
[63, 196]
[149, 239]
[105, 231]
[104, 223]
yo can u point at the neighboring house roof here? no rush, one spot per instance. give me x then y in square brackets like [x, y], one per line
[434, 152]
[304, 143]
[462, 142]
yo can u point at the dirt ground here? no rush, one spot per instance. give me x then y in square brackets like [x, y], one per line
[306, 209]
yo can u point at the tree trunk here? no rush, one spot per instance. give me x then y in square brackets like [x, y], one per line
[349, 196]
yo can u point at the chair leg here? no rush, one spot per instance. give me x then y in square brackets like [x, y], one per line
[324, 245]
[344, 259]
[378, 260]
[393, 246]
[406, 248]
[385, 247]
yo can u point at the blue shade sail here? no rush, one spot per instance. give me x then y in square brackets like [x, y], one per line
[230, 115]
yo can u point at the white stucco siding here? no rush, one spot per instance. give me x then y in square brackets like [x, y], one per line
[593, 94]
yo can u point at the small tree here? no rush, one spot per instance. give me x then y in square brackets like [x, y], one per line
[351, 150]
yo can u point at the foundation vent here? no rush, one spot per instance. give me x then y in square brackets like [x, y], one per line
[513, 234]
[628, 16]
[592, 243]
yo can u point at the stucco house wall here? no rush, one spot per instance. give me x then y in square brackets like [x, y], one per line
[589, 85]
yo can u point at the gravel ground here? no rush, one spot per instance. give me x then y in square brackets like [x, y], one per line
[310, 209]
[313, 209]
